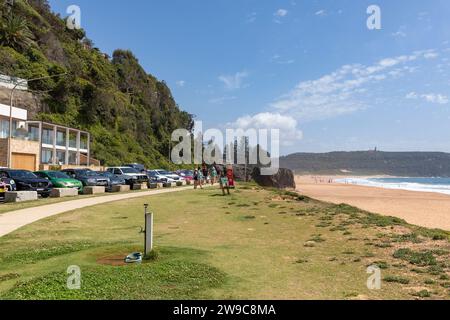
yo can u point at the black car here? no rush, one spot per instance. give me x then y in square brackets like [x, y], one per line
[88, 177]
[113, 179]
[28, 181]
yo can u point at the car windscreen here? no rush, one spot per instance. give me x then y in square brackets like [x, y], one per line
[105, 174]
[164, 173]
[129, 170]
[86, 173]
[19, 174]
[58, 175]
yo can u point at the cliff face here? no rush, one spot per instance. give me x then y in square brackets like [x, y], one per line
[129, 113]
[23, 99]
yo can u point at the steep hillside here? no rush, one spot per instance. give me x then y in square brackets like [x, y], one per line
[411, 164]
[129, 112]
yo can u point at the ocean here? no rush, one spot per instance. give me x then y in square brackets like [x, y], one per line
[437, 185]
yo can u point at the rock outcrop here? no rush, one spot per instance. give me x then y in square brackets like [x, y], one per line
[284, 179]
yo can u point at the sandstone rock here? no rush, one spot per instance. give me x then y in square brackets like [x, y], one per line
[93, 190]
[20, 196]
[284, 179]
[63, 192]
[122, 188]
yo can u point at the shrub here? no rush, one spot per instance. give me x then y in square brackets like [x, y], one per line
[424, 258]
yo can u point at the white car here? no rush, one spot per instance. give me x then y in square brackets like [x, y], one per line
[129, 172]
[163, 175]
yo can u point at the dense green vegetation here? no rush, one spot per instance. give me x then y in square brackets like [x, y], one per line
[409, 164]
[130, 113]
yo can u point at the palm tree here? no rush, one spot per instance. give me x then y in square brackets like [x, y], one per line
[14, 32]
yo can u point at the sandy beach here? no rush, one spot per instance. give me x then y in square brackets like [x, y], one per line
[425, 209]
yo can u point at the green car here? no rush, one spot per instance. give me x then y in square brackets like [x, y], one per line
[60, 179]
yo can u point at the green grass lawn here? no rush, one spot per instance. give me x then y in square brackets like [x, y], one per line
[255, 244]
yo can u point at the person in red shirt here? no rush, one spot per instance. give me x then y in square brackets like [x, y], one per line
[230, 176]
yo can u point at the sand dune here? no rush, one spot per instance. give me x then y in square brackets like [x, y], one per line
[425, 209]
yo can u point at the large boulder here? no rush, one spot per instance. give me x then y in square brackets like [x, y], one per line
[284, 179]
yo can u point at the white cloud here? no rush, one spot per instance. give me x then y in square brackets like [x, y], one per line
[251, 17]
[344, 91]
[281, 13]
[277, 59]
[181, 83]
[321, 13]
[234, 82]
[222, 100]
[431, 55]
[429, 97]
[289, 133]
[399, 34]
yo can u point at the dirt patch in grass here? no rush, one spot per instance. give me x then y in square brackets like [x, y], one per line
[116, 260]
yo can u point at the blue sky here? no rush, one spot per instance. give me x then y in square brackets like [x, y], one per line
[311, 68]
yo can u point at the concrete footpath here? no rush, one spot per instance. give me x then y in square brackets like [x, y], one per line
[13, 220]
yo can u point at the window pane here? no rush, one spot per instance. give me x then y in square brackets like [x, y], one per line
[47, 136]
[47, 156]
[61, 138]
[72, 140]
[83, 142]
[33, 133]
[73, 158]
[4, 129]
[60, 157]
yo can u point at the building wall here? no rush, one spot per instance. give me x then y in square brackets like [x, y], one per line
[3, 152]
[26, 147]
[63, 167]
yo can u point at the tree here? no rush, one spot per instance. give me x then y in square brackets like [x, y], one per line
[14, 33]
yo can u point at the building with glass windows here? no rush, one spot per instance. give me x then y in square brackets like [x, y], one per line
[38, 145]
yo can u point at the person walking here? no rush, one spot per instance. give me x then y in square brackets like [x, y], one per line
[204, 171]
[224, 185]
[200, 177]
[197, 179]
[213, 175]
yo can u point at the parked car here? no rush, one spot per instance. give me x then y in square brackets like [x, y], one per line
[113, 179]
[88, 177]
[157, 176]
[131, 173]
[60, 180]
[137, 166]
[6, 184]
[171, 175]
[28, 181]
[186, 174]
